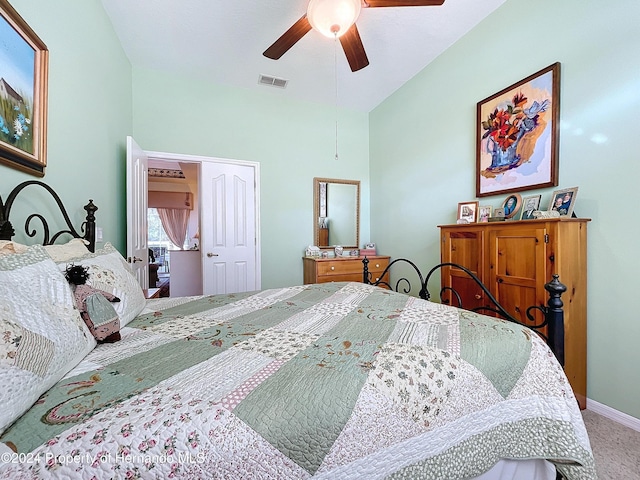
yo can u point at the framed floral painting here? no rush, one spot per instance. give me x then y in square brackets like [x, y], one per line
[517, 135]
[24, 63]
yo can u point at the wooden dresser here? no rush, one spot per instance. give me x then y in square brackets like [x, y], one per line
[341, 269]
[515, 259]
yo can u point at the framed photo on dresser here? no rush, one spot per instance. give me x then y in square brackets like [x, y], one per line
[467, 212]
[529, 205]
[563, 201]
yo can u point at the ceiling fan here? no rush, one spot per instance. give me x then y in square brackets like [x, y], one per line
[336, 18]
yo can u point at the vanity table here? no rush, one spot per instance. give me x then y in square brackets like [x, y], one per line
[336, 221]
[342, 269]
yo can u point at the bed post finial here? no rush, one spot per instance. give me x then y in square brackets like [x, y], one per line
[365, 271]
[555, 317]
[6, 230]
[90, 225]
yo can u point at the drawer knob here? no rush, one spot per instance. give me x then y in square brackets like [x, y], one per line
[377, 265]
[377, 278]
[478, 296]
[333, 268]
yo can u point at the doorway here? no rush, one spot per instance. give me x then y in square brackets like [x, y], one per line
[173, 227]
[220, 182]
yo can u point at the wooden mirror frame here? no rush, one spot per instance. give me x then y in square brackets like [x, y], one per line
[316, 209]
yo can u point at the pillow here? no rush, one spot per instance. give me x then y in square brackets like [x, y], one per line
[8, 247]
[109, 271]
[74, 248]
[42, 336]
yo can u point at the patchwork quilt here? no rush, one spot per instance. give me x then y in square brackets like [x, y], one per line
[326, 381]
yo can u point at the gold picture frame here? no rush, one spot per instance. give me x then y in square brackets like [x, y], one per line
[24, 67]
[511, 205]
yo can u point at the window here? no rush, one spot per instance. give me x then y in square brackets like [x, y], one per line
[158, 240]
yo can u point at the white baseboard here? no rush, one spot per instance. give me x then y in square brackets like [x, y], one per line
[613, 414]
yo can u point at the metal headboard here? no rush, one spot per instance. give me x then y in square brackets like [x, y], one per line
[553, 313]
[87, 229]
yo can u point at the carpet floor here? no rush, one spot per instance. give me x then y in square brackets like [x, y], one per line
[616, 448]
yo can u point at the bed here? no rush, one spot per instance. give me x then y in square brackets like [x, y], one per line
[335, 381]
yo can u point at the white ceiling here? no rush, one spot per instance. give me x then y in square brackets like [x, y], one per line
[223, 41]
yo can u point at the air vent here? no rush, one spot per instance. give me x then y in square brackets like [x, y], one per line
[272, 81]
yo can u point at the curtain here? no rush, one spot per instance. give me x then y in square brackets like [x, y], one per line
[174, 221]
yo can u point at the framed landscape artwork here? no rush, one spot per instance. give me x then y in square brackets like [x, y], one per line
[517, 135]
[24, 63]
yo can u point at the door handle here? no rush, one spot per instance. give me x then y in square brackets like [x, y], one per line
[135, 259]
[209, 254]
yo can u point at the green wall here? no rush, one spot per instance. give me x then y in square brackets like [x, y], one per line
[90, 111]
[428, 128]
[292, 141]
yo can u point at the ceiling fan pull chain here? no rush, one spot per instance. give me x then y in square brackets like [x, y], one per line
[335, 69]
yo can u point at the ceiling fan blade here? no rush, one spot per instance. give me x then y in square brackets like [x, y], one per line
[354, 49]
[288, 39]
[401, 3]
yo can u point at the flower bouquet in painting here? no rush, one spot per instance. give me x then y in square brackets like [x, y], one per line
[506, 127]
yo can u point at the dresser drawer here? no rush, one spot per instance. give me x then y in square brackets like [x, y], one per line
[341, 269]
[345, 277]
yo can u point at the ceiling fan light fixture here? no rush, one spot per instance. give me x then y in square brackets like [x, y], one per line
[332, 18]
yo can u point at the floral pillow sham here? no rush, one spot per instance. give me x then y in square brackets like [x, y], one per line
[42, 336]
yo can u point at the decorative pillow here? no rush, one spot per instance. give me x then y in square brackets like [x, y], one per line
[42, 336]
[74, 248]
[109, 271]
[8, 247]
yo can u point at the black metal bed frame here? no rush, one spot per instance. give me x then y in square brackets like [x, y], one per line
[553, 312]
[87, 229]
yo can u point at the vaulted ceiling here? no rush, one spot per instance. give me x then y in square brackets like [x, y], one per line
[223, 40]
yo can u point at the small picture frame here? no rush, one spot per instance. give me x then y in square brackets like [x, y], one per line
[498, 212]
[484, 212]
[511, 205]
[563, 201]
[467, 212]
[529, 205]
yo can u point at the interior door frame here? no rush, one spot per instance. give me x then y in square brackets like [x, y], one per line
[179, 157]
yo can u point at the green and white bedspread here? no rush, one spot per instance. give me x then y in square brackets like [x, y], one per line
[334, 381]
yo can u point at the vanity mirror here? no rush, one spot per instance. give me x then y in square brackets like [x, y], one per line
[336, 212]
